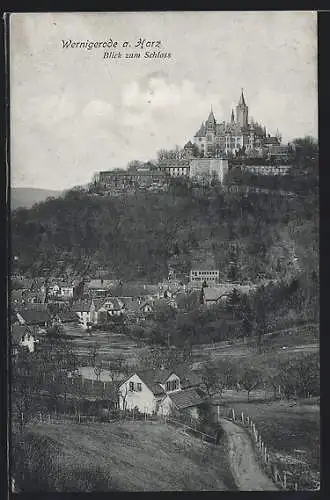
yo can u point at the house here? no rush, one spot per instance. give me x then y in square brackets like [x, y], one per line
[221, 292]
[97, 311]
[61, 289]
[113, 306]
[23, 336]
[188, 400]
[67, 317]
[212, 296]
[85, 311]
[204, 270]
[34, 314]
[100, 287]
[147, 390]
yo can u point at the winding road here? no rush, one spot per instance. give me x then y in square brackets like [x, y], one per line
[246, 471]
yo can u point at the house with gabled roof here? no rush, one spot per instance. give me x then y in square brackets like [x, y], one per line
[188, 400]
[34, 314]
[23, 336]
[148, 389]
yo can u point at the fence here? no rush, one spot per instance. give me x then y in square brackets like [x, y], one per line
[80, 418]
[190, 430]
[284, 479]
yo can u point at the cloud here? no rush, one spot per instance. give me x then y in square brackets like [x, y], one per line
[97, 108]
[48, 110]
[158, 94]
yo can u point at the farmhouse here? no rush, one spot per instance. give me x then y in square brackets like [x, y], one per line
[149, 390]
[22, 336]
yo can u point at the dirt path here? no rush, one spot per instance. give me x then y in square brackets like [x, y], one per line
[247, 473]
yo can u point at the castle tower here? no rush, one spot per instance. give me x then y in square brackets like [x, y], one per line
[210, 122]
[242, 112]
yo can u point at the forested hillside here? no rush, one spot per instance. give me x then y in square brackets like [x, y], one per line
[137, 237]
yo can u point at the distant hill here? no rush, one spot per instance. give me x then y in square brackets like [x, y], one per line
[27, 197]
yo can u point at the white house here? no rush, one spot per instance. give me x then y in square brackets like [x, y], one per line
[151, 391]
[85, 311]
[23, 336]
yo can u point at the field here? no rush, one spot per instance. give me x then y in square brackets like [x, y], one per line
[111, 344]
[140, 456]
[278, 347]
[290, 431]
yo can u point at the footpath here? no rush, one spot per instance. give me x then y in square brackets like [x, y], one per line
[246, 471]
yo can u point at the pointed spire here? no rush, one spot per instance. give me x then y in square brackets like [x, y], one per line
[242, 100]
[232, 116]
[211, 118]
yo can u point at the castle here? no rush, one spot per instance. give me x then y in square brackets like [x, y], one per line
[215, 139]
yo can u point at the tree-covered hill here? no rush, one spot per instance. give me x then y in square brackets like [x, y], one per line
[140, 236]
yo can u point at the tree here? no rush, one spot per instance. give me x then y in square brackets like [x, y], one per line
[250, 378]
[93, 353]
[213, 382]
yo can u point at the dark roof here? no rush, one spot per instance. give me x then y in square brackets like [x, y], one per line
[35, 306]
[81, 306]
[148, 377]
[32, 316]
[100, 284]
[19, 284]
[201, 132]
[187, 398]
[67, 316]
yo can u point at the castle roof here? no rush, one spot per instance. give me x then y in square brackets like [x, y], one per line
[201, 132]
[211, 118]
[242, 100]
[188, 145]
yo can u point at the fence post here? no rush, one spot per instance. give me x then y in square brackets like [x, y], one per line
[233, 414]
[296, 486]
[284, 480]
[49, 418]
[242, 415]
[40, 417]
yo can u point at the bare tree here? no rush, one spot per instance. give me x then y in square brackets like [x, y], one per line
[250, 378]
[212, 380]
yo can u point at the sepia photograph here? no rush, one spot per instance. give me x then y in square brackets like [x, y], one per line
[164, 269]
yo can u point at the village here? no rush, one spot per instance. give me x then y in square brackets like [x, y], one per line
[42, 306]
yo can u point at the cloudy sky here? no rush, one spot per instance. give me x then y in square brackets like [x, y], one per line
[74, 113]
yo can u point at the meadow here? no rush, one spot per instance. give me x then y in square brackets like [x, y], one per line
[127, 456]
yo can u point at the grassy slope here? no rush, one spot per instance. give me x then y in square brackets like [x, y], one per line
[291, 433]
[143, 456]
